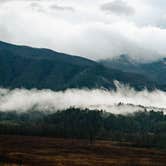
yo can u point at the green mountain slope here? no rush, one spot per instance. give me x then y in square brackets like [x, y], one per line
[27, 67]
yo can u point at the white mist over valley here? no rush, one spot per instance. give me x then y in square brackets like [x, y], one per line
[120, 101]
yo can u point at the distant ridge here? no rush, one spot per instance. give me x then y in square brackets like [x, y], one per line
[155, 71]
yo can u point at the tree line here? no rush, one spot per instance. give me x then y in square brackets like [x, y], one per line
[146, 128]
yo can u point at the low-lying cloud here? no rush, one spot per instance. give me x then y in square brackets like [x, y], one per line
[123, 100]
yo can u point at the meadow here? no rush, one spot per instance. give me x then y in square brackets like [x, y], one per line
[43, 151]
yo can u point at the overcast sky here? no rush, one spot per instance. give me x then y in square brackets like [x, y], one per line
[95, 29]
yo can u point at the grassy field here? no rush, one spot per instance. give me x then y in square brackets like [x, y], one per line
[38, 151]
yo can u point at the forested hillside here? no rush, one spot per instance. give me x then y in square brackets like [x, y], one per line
[28, 67]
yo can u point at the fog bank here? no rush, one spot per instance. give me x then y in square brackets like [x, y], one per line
[123, 100]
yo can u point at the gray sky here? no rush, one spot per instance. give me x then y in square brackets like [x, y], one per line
[95, 29]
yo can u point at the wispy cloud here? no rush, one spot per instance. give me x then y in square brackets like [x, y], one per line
[134, 27]
[62, 8]
[123, 100]
[118, 7]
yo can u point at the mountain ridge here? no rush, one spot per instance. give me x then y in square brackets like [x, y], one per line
[28, 67]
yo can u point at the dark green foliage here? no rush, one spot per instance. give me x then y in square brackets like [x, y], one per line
[141, 128]
[28, 67]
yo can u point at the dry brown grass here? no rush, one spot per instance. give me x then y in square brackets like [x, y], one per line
[38, 151]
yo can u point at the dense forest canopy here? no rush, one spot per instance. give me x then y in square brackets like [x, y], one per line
[142, 128]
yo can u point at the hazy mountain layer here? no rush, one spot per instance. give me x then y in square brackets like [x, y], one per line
[155, 71]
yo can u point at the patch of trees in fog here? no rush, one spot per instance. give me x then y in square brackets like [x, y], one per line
[141, 128]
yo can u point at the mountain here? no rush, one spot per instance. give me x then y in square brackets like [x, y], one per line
[22, 66]
[155, 71]
[123, 62]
